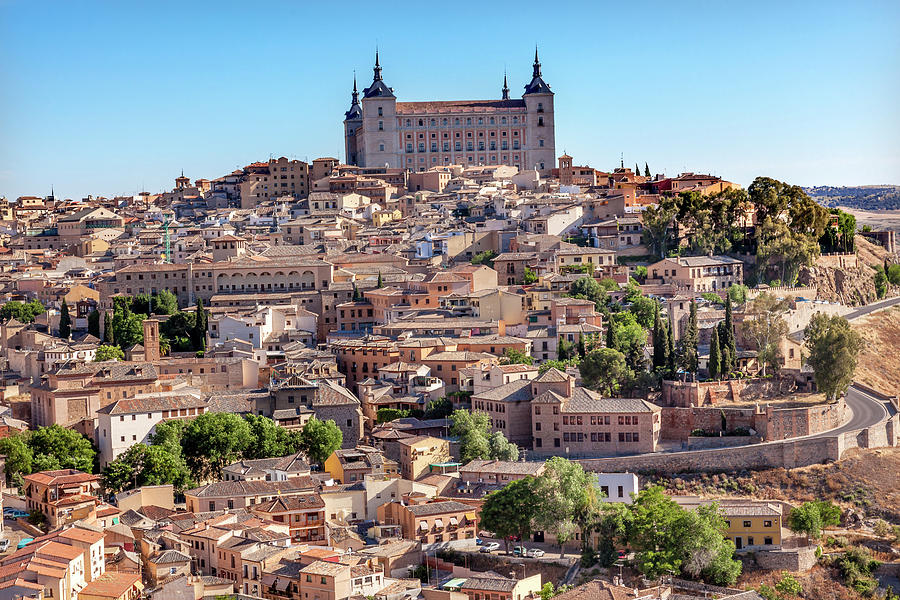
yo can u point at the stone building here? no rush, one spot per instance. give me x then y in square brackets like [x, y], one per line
[380, 131]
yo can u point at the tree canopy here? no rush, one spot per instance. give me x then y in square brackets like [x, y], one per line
[319, 439]
[605, 370]
[811, 517]
[105, 352]
[23, 312]
[765, 326]
[833, 353]
[510, 510]
[476, 440]
[47, 448]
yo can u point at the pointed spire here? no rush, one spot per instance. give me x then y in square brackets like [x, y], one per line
[537, 63]
[355, 93]
[505, 87]
[377, 67]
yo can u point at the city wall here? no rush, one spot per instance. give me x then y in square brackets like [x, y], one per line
[710, 393]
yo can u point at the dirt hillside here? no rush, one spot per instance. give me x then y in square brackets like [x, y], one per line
[879, 360]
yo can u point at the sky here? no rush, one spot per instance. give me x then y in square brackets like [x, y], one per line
[112, 98]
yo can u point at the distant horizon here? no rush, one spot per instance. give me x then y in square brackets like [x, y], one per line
[115, 99]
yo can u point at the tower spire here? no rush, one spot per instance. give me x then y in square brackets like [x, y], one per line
[377, 66]
[537, 63]
[505, 87]
[355, 93]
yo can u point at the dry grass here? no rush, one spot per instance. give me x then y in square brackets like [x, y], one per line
[819, 583]
[864, 480]
[879, 365]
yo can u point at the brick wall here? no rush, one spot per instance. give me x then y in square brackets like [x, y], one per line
[705, 393]
[784, 423]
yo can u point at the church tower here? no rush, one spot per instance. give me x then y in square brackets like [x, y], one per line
[540, 150]
[379, 118]
[353, 120]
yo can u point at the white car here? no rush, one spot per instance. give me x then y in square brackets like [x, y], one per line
[490, 547]
[535, 553]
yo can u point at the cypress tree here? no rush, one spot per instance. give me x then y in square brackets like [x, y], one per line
[715, 363]
[670, 346]
[199, 333]
[646, 170]
[728, 342]
[612, 340]
[581, 349]
[689, 342]
[637, 169]
[380, 283]
[659, 342]
[94, 323]
[108, 336]
[65, 321]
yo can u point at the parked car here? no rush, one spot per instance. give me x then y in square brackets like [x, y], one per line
[14, 513]
[4, 545]
[520, 551]
[490, 547]
[535, 553]
[478, 541]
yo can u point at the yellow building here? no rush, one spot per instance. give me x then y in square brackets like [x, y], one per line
[349, 465]
[380, 218]
[417, 454]
[753, 525]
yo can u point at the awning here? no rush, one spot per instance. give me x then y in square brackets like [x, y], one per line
[454, 521]
[438, 523]
[423, 526]
[470, 516]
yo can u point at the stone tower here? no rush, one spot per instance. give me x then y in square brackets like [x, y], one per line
[540, 150]
[381, 131]
[353, 121]
[151, 340]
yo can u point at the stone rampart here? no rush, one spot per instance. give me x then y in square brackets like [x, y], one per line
[796, 560]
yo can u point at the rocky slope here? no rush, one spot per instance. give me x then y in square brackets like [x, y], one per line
[851, 286]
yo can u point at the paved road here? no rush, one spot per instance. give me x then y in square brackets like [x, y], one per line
[866, 412]
[870, 308]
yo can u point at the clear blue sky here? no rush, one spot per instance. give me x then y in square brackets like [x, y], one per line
[114, 97]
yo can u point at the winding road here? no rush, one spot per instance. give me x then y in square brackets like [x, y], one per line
[867, 411]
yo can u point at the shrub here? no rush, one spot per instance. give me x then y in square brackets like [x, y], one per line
[788, 584]
[882, 529]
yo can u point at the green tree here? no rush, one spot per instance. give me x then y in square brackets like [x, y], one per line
[588, 288]
[511, 356]
[670, 345]
[268, 440]
[109, 337]
[612, 527]
[198, 335]
[565, 497]
[644, 310]
[530, 277]
[660, 349]
[612, 338]
[179, 328]
[657, 222]
[65, 321]
[565, 350]
[56, 447]
[788, 584]
[765, 326]
[738, 293]
[19, 457]
[646, 170]
[439, 408]
[380, 283]
[811, 517]
[23, 312]
[128, 328]
[93, 322]
[727, 339]
[833, 353]
[605, 370]
[559, 365]
[319, 439]
[893, 274]
[880, 282]
[212, 441]
[510, 510]
[108, 353]
[502, 449]
[631, 340]
[165, 303]
[714, 365]
[472, 429]
[687, 346]
[485, 258]
[168, 435]
[142, 465]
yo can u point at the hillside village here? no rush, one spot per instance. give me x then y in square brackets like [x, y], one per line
[325, 381]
